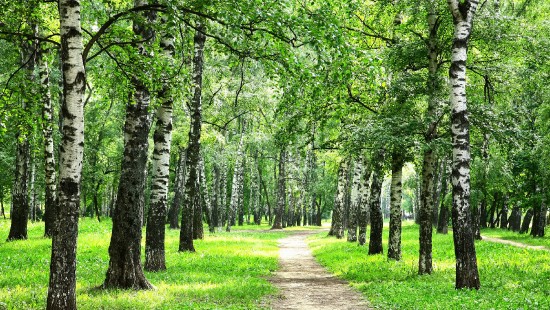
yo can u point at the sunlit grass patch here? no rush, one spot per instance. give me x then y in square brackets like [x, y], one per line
[511, 278]
[228, 271]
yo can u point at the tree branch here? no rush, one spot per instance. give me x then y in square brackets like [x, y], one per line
[356, 99]
[113, 19]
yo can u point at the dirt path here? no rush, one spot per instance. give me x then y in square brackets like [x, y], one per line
[306, 285]
[516, 244]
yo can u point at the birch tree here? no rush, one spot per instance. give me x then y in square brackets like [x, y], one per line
[20, 197]
[281, 192]
[433, 114]
[192, 187]
[235, 186]
[62, 282]
[363, 208]
[337, 228]
[356, 199]
[467, 275]
[394, 244]
[154, 240]
[125, 269]
[49, 157]
[376, 220]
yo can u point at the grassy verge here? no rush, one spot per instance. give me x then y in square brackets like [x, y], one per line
[511, 278]
[227, 272]
[514, 236]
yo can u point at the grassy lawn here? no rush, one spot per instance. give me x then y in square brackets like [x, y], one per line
[514, 236]
[511, 278]
[227, 272]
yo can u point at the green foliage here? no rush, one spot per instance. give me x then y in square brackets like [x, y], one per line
[228, 271]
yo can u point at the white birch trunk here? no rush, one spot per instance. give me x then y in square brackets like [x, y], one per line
[49, 153]
[235, 186]
[154, 241]
[467, 275]
[394, 244]
[356, 199]
[62, 283]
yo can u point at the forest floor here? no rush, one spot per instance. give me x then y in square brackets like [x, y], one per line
[305, 284]
[514, 243]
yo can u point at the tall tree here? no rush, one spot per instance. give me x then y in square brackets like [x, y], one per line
[192, 186]
[154, 239]
[62, 283]
[337, 228]
[433, 114]
[125, 269]
[20, 196]
[356, 199]
[181, 172]
[235, 185]
[394, 244]
[363, 213]
[467, 275]
[376, 219]
[281, 192]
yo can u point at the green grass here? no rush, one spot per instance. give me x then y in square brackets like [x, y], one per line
[511, 277]
[228, 271]
[517, 237]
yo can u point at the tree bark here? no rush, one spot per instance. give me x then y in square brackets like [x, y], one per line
[433, 113]
[20, 204]
[442, 223]
[338, 210]
[394, 244]
[364, 206]
[467, 275]
[281, 192]
[125, 270]
[493, 210]
[179, 188]
[156, 217]
[255, 191]
[526, 221]
[192, 189]
[215, 201]
[356, 199]
[223, 212]
[376, 219]
[515, 219]
[504, 214]
[539, 221]
[62, 282]
[235, 186]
